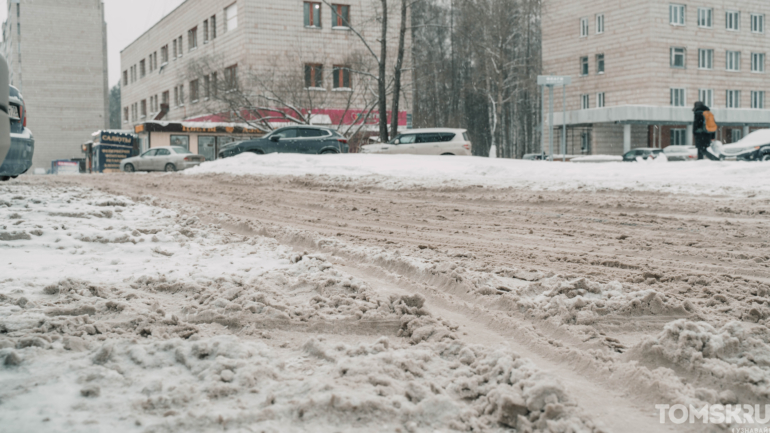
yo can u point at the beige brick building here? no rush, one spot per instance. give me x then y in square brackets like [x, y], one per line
[57, 53]
[638, 67]
[304, 51]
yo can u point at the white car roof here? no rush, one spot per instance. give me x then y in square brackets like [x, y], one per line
[428, 130]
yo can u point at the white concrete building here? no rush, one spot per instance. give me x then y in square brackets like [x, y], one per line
[57, 52]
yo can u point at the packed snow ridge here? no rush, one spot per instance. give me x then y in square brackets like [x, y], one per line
[420, 171]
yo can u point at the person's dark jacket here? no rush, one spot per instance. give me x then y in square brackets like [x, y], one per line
[699, 126]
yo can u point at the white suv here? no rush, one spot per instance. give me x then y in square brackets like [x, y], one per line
[436, 141]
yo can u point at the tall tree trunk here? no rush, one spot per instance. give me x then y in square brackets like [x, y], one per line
[381, 88]
[397, 73]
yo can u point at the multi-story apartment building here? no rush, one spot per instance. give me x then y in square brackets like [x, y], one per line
[637, 68]
[57, 53]
[220, 60]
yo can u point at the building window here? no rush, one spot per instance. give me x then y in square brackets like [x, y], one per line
[757, 62]
[341, 77]
[142, 69]
[733, 99]
[194, 91]
[705, 59]
[733, 20]
[181, 95]
[585, 102]
[214, 84]
[600, 100]
[213, 21]
[125, 78]
[600, 24]
[176, 96]
[231, 17]
[757, 23]
[205, 31]
[175, 50]
[678, 55]
[583, 27]
[600, 63]
[125, 115]
[164, 54]
[149, 64]
[678, 98]
[340, 16]
[312, 14]
[231, 78]
[314, 76]
[180, 46]
[734, 61]
[192, 38]
[584, 66]
[706, 96]
[207, 86]
[676, 14]
[144, 108]
[758, 100]
[678, 137]
[166, 97]
[705, 17]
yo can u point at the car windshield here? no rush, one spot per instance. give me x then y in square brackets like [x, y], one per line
[181, 150]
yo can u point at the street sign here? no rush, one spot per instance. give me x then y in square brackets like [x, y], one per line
[553, 80]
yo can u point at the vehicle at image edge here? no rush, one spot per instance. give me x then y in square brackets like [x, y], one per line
[643, 152]
[681, 153]
[167, 158]
[434, 141]
[753, 147]
[304, 139]
[18, 158]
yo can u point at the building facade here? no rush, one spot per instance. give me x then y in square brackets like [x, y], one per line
[224, 60]
[57, 54]
[637, 68]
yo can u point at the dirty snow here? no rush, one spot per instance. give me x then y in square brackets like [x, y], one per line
[121, 315]
[399, 171]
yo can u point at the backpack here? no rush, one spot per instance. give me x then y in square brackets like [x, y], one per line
[709, 122]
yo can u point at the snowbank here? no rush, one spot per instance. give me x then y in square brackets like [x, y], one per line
[413, 171]
[123, 316]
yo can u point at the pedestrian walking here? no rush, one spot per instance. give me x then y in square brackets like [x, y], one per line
[704, 128]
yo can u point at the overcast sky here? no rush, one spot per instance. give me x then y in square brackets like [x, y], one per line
[126, 21]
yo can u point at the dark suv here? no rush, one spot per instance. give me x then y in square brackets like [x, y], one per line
[292, 139]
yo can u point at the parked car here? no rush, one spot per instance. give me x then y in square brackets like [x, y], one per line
[292, 139]
[643, 152]
[168, 158]
[533, 157]
[437, 141]
[753, 147]
[18, 158]
[681, 153]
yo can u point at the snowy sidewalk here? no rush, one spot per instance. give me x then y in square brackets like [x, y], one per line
[125, 316]
[412, 171]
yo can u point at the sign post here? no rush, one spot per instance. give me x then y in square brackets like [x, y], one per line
[552, 81]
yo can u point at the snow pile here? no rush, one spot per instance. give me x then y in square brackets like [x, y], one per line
[418, 171]
[735, 356]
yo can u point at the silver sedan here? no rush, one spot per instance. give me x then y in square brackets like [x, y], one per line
[170, 158]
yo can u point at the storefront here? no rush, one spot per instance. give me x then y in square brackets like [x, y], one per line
[107, 148]
[202, 138]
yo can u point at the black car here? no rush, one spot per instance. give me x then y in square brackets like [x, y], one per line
[305, 139]
[644, 152]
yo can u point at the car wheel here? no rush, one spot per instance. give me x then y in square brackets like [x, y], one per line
[447, 154]
[5, 178]
[764, 157]
[170, 167]
[129, 168]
